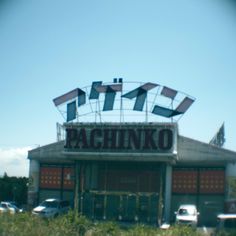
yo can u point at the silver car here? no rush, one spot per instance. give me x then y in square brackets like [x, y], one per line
[51, 208]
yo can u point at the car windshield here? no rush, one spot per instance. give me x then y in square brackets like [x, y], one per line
[52, 204]
[186, 211]
[14, 204]
[3, 205]
[8, 205]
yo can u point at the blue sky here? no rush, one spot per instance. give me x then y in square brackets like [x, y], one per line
[48, 48]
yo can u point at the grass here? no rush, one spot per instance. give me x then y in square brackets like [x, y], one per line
[76, 225]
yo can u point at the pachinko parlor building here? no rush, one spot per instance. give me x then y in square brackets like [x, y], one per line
[131, 167]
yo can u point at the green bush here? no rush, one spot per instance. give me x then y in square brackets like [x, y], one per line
[180, 230]
[70, 224]
[224, 233]
[73, 224]
[143, 230]
[22, 225]
[25, 224]
[106, 229]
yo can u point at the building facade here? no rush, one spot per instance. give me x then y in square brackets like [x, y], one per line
[134, 172]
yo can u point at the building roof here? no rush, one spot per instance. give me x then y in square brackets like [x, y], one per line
[189, 151]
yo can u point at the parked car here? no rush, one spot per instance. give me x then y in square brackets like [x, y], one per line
[9, 207]
[226, 223]
[51, 208]
[187, 214]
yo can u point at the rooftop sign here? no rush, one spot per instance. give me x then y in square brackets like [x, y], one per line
[162, 101]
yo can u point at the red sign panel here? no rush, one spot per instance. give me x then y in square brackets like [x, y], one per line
[184, 181]
[203, 181]
[57, 177]
[212, 181]
[50, 177]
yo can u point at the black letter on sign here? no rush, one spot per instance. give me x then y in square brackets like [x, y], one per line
[109, 141]
[82, 139]
[165, 139]
[134, 139]
[71, 135]
[95, 137]
[149, 142]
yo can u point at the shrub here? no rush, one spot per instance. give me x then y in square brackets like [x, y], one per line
[73, 224]
[224, 233]
[180, 230]
[106, 229]
[143, 230]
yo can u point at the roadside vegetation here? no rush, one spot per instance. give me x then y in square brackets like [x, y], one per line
[74, 225]
[13, 189]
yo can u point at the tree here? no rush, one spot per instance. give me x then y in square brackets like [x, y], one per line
[13, 189]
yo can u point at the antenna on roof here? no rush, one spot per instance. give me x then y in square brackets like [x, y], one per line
[219, 138]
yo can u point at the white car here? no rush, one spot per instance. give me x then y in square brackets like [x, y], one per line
[51, 208]
[7, 207]
[187, 214]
